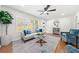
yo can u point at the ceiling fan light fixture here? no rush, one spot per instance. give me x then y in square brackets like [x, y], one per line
[45, 12]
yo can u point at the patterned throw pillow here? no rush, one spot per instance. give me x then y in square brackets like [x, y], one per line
[25, 32]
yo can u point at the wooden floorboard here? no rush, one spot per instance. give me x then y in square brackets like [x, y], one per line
[61, 47]
[6, 49]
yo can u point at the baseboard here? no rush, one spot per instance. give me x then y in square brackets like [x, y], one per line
[15, 39]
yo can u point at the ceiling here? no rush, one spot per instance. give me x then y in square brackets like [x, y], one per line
[61, 10]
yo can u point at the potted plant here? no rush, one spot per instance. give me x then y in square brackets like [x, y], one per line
[5, 19]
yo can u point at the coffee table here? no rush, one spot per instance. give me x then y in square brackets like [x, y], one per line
[43, 47]
[40, 41]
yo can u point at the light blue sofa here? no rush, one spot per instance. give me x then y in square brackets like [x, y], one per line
[71, 49]
[70, 37]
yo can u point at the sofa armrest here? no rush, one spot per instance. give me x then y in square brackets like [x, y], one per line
[71, 49]
[64, 36]
[65, 33]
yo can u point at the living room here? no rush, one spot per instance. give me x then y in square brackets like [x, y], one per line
[44, 29]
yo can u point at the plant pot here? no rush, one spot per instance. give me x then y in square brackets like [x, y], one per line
[5, 40]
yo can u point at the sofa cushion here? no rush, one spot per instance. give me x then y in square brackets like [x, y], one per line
[27, 32]
[71, 49]
[39, 30]
[74, 31]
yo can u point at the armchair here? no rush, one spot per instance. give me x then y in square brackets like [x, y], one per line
[70, 36]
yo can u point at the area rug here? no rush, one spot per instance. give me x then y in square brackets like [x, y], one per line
[32, 47]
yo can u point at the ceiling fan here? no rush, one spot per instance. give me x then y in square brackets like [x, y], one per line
[46, 10]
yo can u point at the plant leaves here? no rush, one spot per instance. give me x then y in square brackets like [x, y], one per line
[5, 17]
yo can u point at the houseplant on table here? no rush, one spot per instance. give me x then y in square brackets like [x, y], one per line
[5, 19]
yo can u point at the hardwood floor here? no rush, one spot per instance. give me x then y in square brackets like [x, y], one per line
[6, 49]
[59, 49]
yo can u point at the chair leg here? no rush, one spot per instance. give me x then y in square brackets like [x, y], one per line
[67, 43]
[61, 38]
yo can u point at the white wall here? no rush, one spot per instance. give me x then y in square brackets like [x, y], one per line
[65, 24]
[77, 20]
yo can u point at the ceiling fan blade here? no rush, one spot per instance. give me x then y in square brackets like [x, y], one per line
[41, 13]
[46, 8]
[52, 10]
